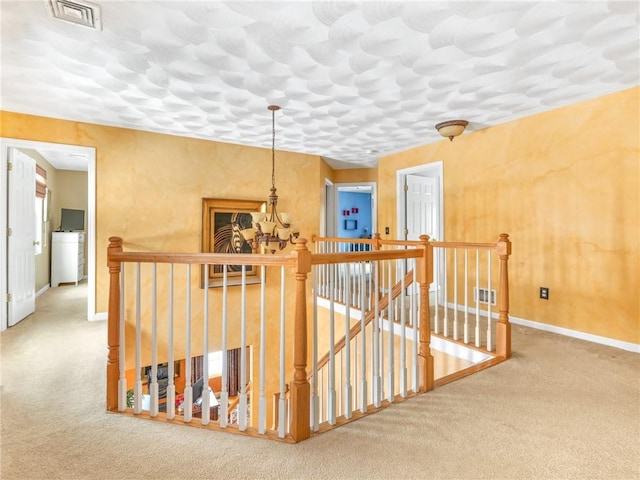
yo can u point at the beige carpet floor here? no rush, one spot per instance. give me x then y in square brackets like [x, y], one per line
[559, 409]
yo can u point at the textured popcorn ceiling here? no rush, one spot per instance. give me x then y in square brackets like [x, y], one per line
[356, 80]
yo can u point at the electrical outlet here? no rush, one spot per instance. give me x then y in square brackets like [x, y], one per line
[544, 293]
[386, 230]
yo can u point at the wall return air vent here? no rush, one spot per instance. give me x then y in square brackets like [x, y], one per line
[78, 12]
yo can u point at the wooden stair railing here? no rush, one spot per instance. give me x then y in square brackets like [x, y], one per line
[301, 260]
[369, 316]
[422, 252]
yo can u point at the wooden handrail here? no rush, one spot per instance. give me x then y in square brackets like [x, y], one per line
[205, 258]
[370, 315]
[353, 257]
[412, 243]
[367, 241]
[489, 246]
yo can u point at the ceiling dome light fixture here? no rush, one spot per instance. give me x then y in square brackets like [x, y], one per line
[451, 128]
[271, 227]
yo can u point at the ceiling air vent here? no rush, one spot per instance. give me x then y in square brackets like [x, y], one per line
[78, 12]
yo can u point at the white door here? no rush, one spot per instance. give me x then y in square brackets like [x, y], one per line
[421, 207]
[329, 210]
[21, 261]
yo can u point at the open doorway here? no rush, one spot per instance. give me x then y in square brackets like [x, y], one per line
[355, 210]
[70, 153]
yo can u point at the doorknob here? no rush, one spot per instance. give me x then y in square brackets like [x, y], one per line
[35, 242]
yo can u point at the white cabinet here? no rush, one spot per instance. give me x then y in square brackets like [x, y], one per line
[67, 257]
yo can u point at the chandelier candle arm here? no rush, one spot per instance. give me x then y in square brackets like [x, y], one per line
[271, 228]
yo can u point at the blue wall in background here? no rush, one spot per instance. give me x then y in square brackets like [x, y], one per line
[361, 201]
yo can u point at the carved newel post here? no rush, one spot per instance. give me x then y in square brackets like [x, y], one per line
[300, 428]
[425, 277]
[503, 335]
[113, 324]
[377, 241]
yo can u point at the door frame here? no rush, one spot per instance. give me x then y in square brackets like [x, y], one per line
[374, 202]
[90, 154]
[433, 170]
[328, 220]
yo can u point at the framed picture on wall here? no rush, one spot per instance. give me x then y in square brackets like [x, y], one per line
[350, 224]
[222, 221]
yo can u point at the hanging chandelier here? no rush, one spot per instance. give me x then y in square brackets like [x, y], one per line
[271, 228]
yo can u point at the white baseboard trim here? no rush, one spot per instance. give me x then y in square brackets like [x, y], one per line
[99, 316]
[567, 332]
[611, 342]
[442, 345]
[42, 290]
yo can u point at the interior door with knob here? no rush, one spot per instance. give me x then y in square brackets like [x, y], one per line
[421, 207]
[21, 235]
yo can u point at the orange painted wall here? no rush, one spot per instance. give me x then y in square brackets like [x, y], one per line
[149, 187]
[355, 175]
[565, 186]
[149, 190]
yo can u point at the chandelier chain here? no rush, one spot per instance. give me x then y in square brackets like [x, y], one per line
[273, 148]
[269, 228]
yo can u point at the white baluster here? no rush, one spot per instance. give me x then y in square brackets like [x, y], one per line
[205, 405]
[262, 402]
[382, 338]
[188, 389]
[466, 295]
[376, 334]
[489, 302]
[122, 379]
[341, 384]
[403, 333]
[477, 300]
[363, 343]
[355, 292]
[391, 338]
[436, 300]
[224, 387]
[331, 388]
[282, 411]
[242, 404]
[323, 413]
[445, 319]
[153, 388]
[137, 389]
[315, 409]
[455, 294]
[348, 405]
[171, 388]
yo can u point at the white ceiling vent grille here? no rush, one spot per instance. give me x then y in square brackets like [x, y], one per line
[79, 12]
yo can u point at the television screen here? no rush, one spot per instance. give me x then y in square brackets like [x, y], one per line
[71, 220]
